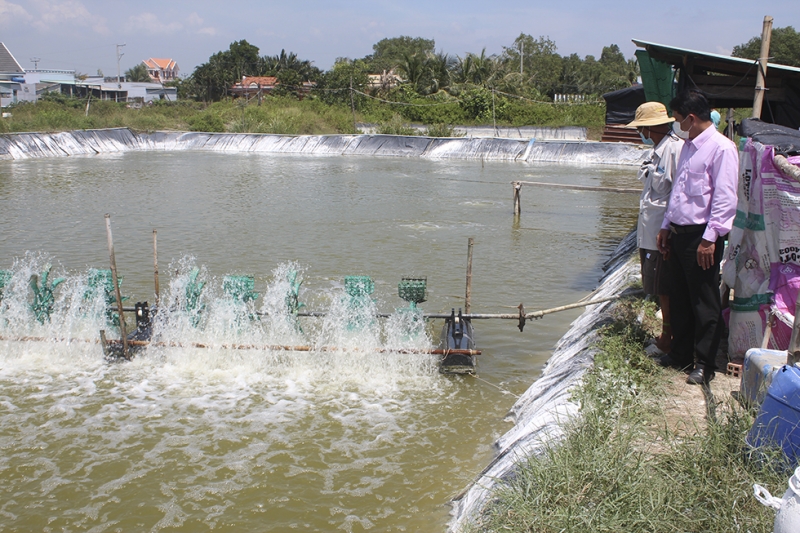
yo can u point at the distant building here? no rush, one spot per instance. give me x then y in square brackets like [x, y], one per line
[132, 92]
[254, 85]
[384, 81]
[12, 76]
[39, 82]
[161, 70]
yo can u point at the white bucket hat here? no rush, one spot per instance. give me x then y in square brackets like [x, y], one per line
[651, 114]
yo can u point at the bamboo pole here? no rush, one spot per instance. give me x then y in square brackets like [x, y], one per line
[582, 187]
[517, 187]
[155, 262]
[300, 348]
[468, 293]
[766, 37]
[231, 346]
[474, 316]
[116, 288]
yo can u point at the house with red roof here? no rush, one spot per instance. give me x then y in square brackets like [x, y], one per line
[253, 85]
[161, 70]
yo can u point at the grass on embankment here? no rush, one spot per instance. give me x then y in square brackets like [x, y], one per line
[623, 467]
[285, 115]
[276, 114]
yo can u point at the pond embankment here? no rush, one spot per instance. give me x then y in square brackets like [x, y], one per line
[92, 142]
[541, 412]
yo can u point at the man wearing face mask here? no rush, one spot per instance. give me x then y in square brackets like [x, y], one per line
[699, 215]
[656, 175]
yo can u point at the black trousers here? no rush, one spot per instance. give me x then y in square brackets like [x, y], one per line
[694, 302]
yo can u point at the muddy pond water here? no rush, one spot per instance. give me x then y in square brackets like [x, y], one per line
[189, 439]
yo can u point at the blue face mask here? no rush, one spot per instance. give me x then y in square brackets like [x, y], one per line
[647, 140]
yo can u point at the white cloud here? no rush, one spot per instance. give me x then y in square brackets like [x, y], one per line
[194, 20]
[9, 12]
[207, 31]
[54, 14]
[151, 23]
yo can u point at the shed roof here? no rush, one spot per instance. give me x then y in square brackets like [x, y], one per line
[716, 62]
[731, 81]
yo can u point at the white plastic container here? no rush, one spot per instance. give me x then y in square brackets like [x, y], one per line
[759, 366]
[788, 518]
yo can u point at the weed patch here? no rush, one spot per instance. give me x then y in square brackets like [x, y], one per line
[621, 468]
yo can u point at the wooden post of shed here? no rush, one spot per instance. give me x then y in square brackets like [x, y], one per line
[766, 36]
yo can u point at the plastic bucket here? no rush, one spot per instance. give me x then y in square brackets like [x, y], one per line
[778, 420]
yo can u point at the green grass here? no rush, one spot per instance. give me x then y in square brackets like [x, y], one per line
[621, 468]
[286, 115]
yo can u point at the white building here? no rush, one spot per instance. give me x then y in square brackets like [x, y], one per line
[12, 76]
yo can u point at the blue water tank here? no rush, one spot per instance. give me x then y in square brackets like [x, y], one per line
[778, 420]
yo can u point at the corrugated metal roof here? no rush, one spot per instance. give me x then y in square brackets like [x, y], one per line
[739, 62]
[8, 64]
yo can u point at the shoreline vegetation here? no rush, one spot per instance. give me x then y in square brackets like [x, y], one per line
[404, 81]
[284, 115]
[631, 461]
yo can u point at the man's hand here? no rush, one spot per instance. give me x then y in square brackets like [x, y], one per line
[662, 241]
[705, 254]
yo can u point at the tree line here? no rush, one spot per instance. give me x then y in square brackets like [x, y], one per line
[406, 78]
[530, 67]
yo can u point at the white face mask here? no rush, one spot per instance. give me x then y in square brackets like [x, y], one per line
[679, 131]
[646, 140]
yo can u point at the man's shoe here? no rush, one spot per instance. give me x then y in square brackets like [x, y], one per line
[699, 376]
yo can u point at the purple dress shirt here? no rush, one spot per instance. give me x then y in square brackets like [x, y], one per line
[704, 188]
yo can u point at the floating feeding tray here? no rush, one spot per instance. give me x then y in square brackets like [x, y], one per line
[240, 288]
[43, 297]
[357, 286]
[5, 277]
[413, 290]
[102, 279]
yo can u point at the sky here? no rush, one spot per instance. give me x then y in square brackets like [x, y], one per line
[82, 35]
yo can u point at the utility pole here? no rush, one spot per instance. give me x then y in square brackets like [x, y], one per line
[766, 37]
[119, 56]
[352, 102]
[521, 55]
[35, 61]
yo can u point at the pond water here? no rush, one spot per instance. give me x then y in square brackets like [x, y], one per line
[194, 439]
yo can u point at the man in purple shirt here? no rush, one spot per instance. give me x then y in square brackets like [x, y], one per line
[699, 215]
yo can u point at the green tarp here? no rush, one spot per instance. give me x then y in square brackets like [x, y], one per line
[657, 78]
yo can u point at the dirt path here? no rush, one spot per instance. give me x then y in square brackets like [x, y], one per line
[686, 406]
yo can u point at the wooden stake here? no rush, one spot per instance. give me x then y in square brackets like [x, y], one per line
[766, 36]
[517, 186]
[116, 288]
[468, 295]
[155, 262]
